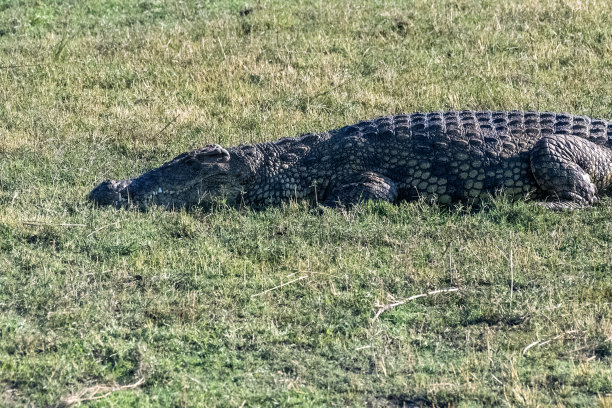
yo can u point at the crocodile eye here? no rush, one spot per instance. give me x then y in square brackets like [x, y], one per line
[214, 151]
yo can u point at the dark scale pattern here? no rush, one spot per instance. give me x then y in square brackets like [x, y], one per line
[444, 156]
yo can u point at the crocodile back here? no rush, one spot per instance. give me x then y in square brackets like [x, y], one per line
[511, 130]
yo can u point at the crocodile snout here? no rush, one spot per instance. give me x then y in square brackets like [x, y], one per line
[110, 192]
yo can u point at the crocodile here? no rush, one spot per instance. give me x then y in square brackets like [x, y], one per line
[558, 159]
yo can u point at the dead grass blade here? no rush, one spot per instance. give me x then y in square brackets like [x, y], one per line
[280, 286]
[98, 391]
[540, 343]
[384, 308]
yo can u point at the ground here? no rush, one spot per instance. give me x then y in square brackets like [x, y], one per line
[109, 307]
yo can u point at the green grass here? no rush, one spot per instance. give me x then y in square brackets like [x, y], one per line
[276, 307]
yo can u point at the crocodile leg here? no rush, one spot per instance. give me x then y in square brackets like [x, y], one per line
[351, 190]
[570, 169]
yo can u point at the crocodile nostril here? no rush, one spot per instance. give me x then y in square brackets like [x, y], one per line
[109, 192]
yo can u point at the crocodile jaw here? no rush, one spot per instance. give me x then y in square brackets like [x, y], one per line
[138, 193]
[192, 178]
[111, 192]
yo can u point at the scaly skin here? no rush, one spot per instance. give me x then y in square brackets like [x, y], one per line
[562, 160]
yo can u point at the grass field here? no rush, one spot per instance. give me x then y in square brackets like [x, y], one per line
[240, 308]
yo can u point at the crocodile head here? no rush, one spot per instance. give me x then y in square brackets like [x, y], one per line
[193, 178]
